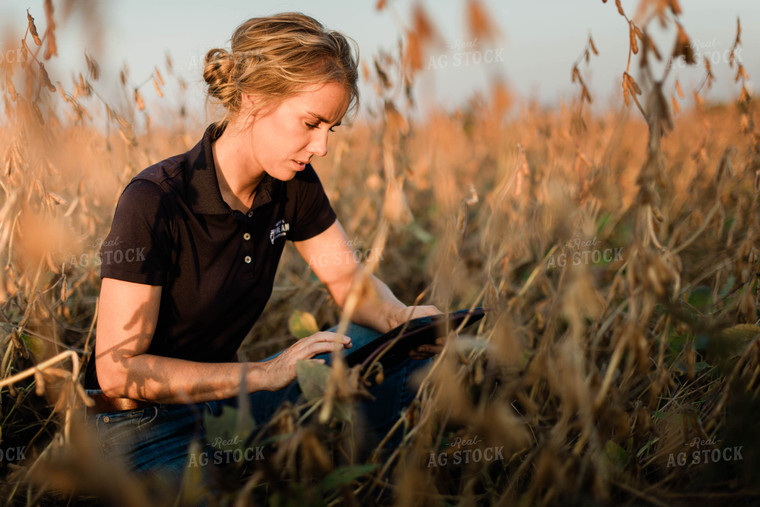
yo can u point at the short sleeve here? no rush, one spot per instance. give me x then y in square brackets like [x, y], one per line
[138, 247]
[313, 212]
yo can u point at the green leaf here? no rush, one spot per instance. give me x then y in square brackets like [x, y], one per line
[603, 220]
[702, 341]
[312, 378]
[420, 233]
[302, 324]
[342, 476]
[35, 345]
[727, 287]
[647, 447]
[615, 454]
[701, 298]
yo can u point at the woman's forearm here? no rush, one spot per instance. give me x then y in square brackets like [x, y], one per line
[170, 380]
[379, 309]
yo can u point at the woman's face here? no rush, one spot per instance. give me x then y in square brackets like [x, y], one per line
[284, 138]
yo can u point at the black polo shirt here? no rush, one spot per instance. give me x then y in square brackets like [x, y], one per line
[216, 265]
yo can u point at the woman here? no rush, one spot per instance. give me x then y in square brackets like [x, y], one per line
[195, 241]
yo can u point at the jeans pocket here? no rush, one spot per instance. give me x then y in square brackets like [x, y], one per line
[117, 431]
[152, 438]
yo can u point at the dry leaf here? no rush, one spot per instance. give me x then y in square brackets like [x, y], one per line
[396, 123]
[744, 96]
[585, 95]
[158, 88]
[139, 100]
[46, 79]
[592, 45]
[479, 21]
[92, 67]
[738, 32]
[33, 29]
[51, 48]
[632, 40]
[383, 75]
[740, 73]
[619, 7]
[422, 24]
[683, 46]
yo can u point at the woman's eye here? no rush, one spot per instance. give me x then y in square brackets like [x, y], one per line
[316, 125]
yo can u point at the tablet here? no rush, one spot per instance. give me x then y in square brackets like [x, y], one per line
[394, 346]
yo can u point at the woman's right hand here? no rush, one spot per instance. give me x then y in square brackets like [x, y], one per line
[281, 370]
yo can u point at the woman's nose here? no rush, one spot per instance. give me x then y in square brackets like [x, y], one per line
[318, 145]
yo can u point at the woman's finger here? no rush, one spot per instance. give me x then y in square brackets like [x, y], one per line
[419, 355]
[323, 337]
[321, 348]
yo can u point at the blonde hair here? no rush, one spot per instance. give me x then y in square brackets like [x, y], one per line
[277, 56]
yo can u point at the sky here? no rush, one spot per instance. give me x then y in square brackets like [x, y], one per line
[540, 41]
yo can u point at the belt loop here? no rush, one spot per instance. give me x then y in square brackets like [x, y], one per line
[214, 407]
[155, 414]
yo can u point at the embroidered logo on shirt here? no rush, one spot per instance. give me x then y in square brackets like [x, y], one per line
[281, 228]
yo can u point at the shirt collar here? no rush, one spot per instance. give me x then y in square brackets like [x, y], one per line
[203, 186]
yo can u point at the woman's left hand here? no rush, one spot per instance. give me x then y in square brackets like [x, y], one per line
[413, 312]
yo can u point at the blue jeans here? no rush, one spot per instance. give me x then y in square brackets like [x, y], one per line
[156, 439]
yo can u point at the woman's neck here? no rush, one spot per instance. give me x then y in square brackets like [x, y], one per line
[233, 163]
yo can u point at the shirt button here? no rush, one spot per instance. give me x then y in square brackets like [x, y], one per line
[250, 214]
[246, 236]
[247, 259]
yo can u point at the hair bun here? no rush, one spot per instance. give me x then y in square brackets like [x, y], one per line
[273, 57]
[218, 73]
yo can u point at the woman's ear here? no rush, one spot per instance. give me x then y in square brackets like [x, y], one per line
[249, 106]
[248, 101]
